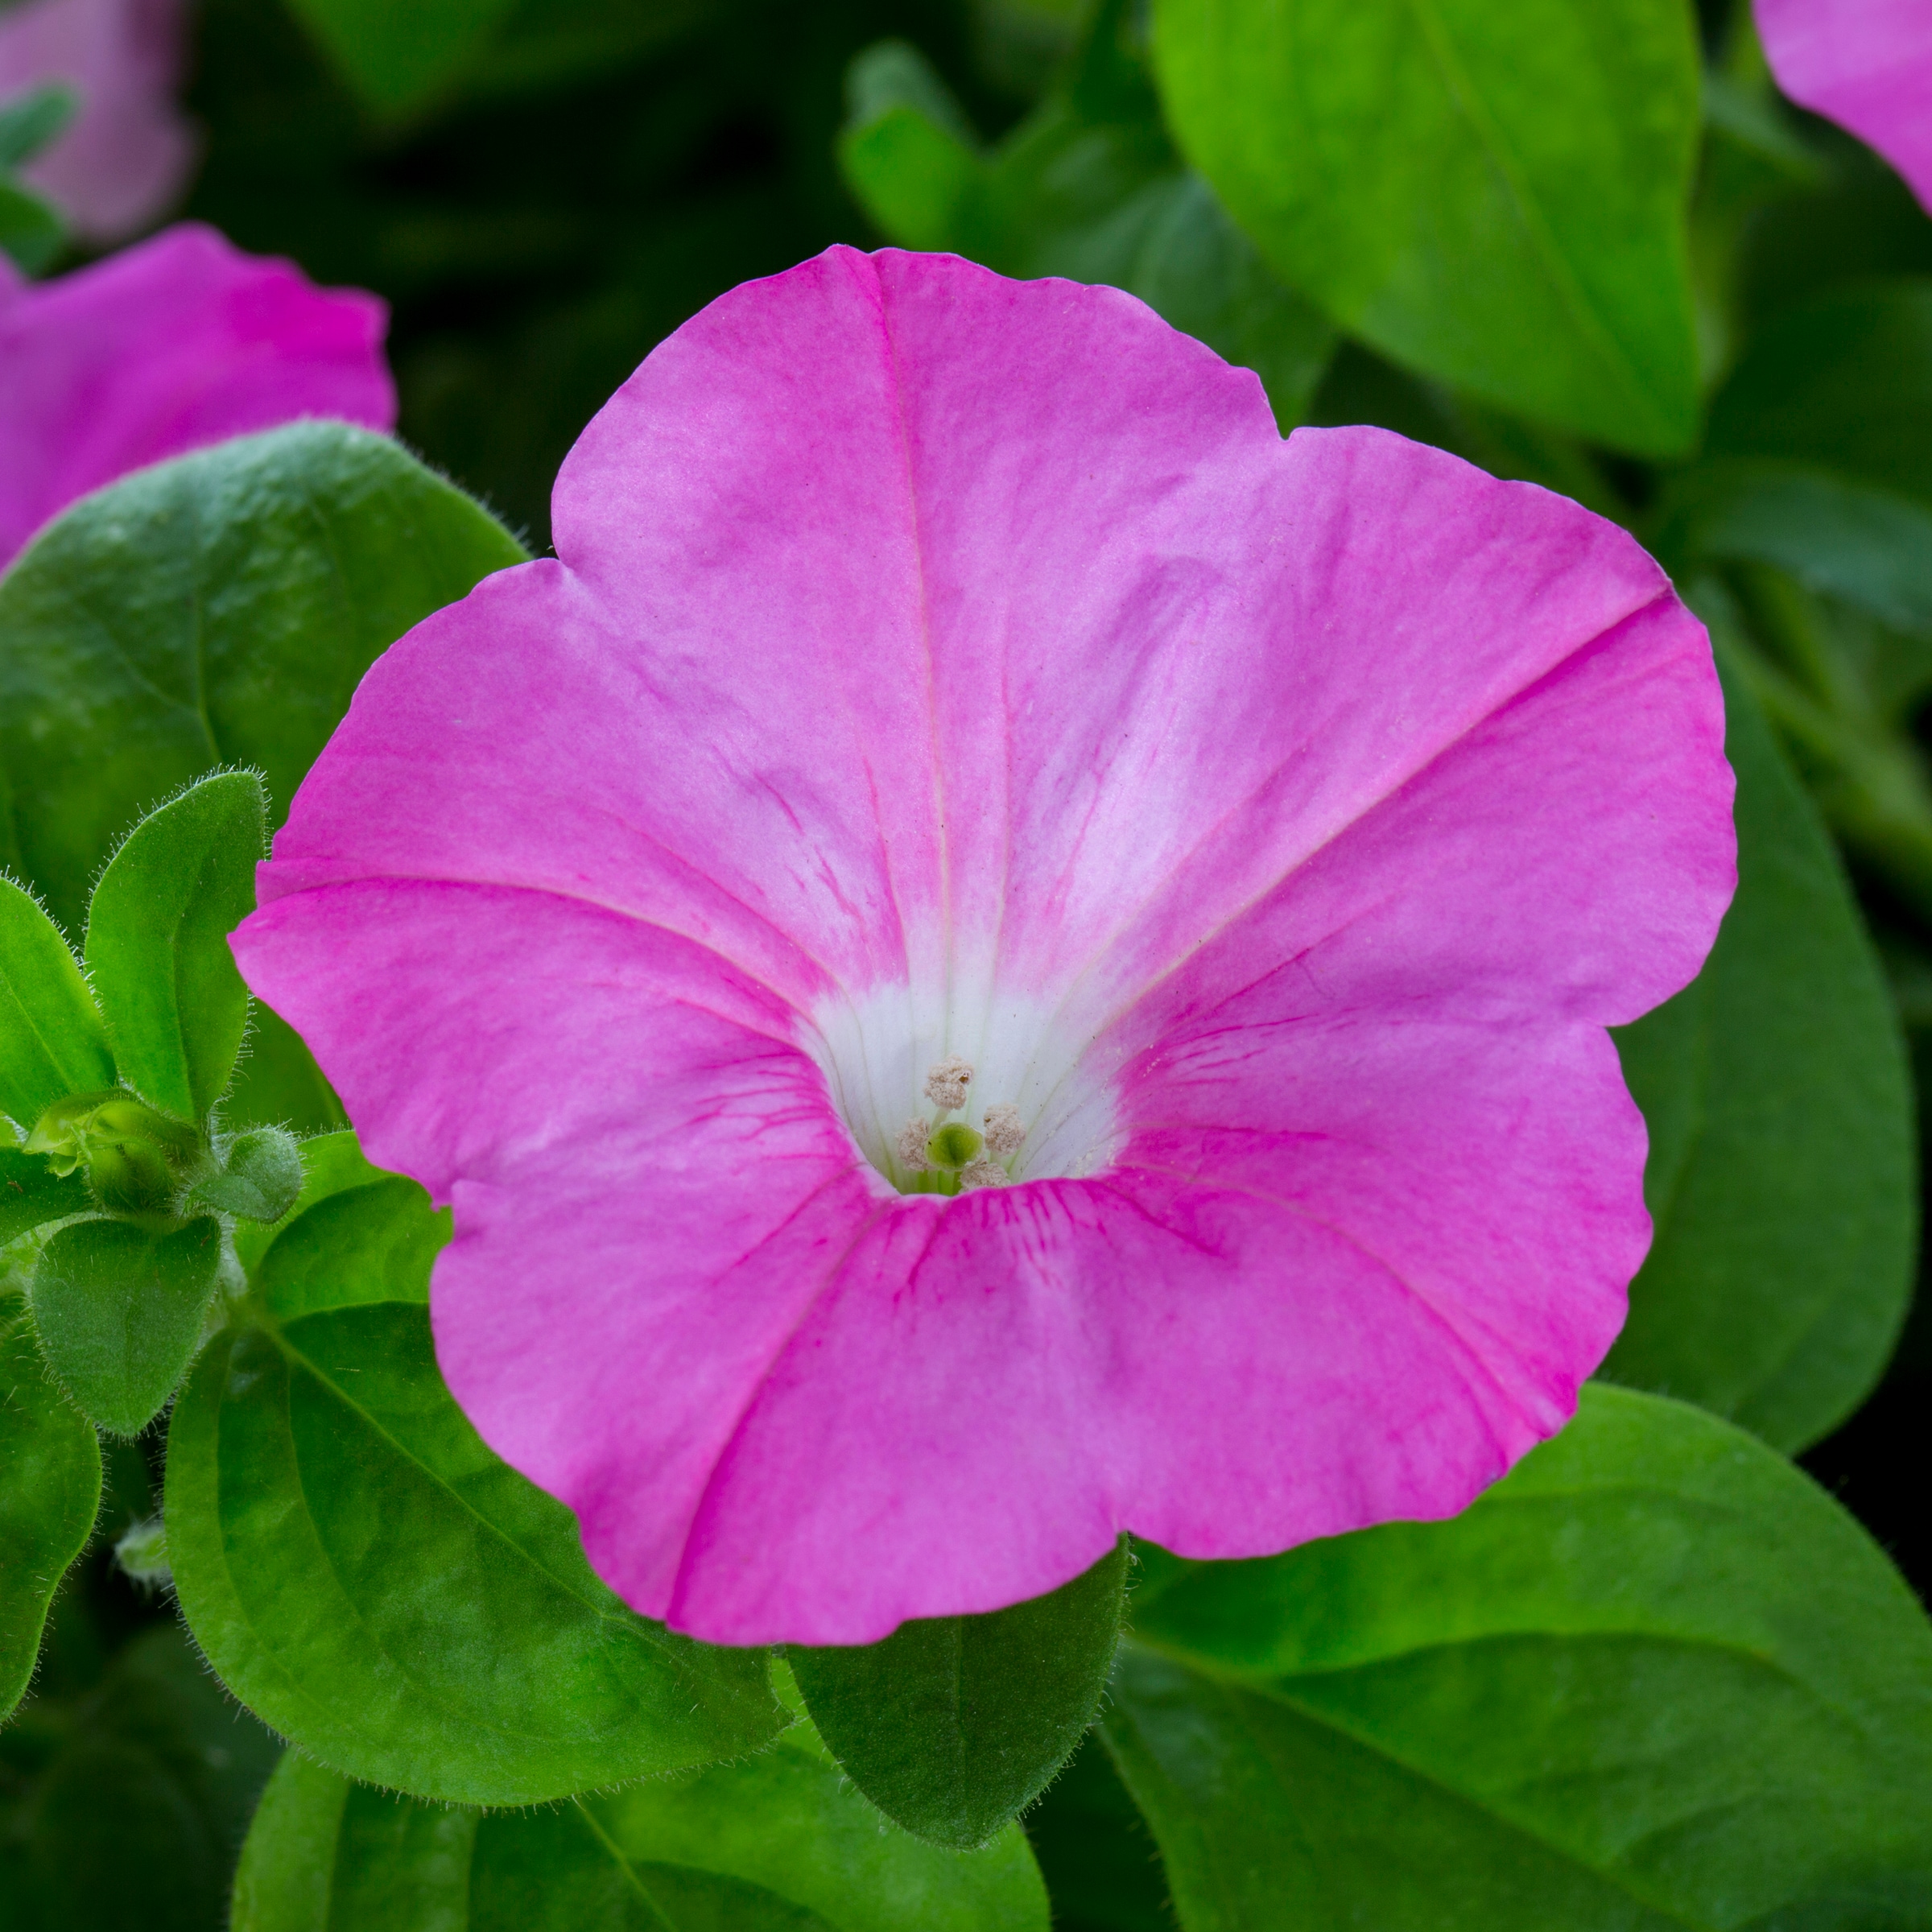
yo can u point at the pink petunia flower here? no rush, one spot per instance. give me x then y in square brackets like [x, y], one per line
[1866, 65]
[992, 954]
[127, 154]
[177, 342]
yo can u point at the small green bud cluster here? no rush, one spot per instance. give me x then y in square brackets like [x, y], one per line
[135, 1158]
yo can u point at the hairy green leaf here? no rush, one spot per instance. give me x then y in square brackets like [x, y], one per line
[1783, 1177]
[218, 610]
[53, 1040]
[157, 941]
[365, 1574]
[50, 1488]
[1655, 1679]
[953, 1725]
[1494, 194]
[119, 1309]
[775, 1844]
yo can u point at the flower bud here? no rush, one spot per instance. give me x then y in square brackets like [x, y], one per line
[133, 1156]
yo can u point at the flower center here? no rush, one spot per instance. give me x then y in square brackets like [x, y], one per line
[1022, 1107]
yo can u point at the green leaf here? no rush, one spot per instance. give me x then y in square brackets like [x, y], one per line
[776, 1844]
[907, 150]
[52, 1041]
[219, 609]
[1655, 1679]
[1494, 194]
[31, 1195]
[953, 1725]
[364, 1574]
[124, 1807]
[119, 1309]
[28, 122]
[1818, 457]
[1782, 1178]
[398, 58]
[50, 1488]
[259, 1178]
[157, 941]
[31, 231]
[1088, 187]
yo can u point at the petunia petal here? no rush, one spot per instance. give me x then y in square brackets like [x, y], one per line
[173, 343]
[1866, 65]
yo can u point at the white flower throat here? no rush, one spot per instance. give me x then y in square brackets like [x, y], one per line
[956, 1095]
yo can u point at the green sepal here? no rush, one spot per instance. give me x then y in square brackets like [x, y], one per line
[50, 1489]
[953, 1725]
[120, 1309]
[259, 1178]
[157, 941]
[53, 1040]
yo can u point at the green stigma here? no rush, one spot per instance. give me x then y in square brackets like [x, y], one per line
[953, 1145]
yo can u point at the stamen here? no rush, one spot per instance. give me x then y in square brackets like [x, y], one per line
[1003, 1132]
[982, 1173]
[910, 1146]
[946, 1083]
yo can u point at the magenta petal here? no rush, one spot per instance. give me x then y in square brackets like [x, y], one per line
[1866, 65]
[176, 343]
[935, 664]
[126, 155]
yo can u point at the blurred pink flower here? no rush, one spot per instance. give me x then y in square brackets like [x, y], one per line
[176, 342]
[950, 689]
[126, 156]
[1866, 65]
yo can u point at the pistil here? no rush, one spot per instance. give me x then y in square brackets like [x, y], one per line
[958, 1155]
